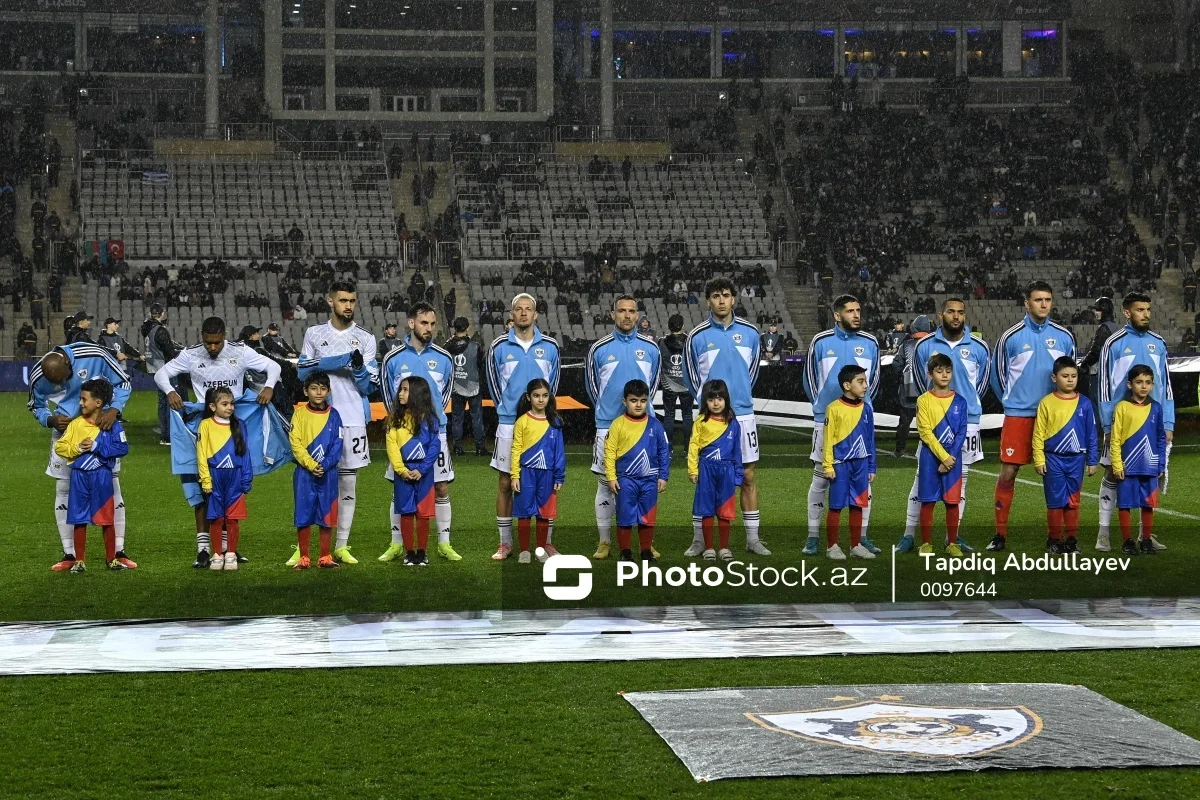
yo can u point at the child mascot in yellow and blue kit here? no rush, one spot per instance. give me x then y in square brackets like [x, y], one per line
[226, 474]
[316, 441]
[93, 454]
[1064, 446]
[637, 464]
[413, 446]
[1138, 449]
[848, 458]
[715, 466]
[538, 467]
[942, 416]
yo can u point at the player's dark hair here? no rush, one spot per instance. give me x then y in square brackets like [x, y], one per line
[1137, 371]
[318, 377]
[1064, 362]
[1038, 286]
[621, 297]
[1134, 297]
[718, 285]
[849, 373]
[636, 388]
[843, 300]
[235, 424]
[342, 286]
[950, 300]
[939, 360]
[99, 388]
[419, 406]
[212, 326]
[525, 404]
[715, 388]
[421, 308]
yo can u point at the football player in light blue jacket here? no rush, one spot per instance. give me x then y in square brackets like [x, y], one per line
[844, 344]
[613, 361]
[727, 348]
[513, 360]
[972, 362]
[1131, 345]
[418, 355]
[57, 379]
[1022, 374]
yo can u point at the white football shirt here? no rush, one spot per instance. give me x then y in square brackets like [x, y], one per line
[227, 369]
[325, 340]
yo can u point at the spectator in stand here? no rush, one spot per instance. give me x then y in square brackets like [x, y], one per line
[113, 340]
[81, 323]
[389, 342]
[27, 340]
[772, 343]
[276, 346]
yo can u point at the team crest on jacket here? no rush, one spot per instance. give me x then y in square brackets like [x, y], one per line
[640, 353]
[858, 351]
[539, 352]
[737, 338]
[1050, 342]
[354, 343]
[82, 373]
[431, 363]
[233, 362]
[1151, 348]
[965, 352]
[909, 729]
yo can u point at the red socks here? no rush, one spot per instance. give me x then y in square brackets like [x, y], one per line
[302, 537]
[1004, 498]
[952, 519]
[232, 529]
[1147, 522]
[855, 525]
[707, 525]
[81, 542]
[927, 522]
[1055, 522]
[833, 521]
[406, 530]
[646, 536]
[624, 537]
[422, 533]
[326, 541]
[723, 533]
[543, 532]
[110, 542]
[1071, 522]
[326, 538]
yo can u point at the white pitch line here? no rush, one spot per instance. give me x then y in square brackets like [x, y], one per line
[1159, 510]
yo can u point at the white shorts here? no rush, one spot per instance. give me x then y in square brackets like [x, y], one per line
[973, 445]
[502, 455]
[356, 453]
[598, 451]
[818, 456]
[60, 469]
[749, 425]
[443, 468]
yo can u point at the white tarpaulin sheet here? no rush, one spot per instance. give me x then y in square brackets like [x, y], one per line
[901, 729]
[628, 634]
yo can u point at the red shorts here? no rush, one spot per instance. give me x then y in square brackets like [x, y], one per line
[1016, 440]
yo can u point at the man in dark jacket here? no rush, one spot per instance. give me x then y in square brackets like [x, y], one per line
[388, 342]
[1103, 312]
[161, 348]
[275, 345]
[113, 340]
[674, 390]
[467, 356]
[81, 324]
[907, 390]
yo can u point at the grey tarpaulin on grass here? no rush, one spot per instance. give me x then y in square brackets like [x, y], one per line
[874, 729]
[596, 634]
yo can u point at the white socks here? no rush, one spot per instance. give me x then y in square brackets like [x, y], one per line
[504, 524]
[347, 482]
[698, 530]
[912, 515]
[866, 512]
[750, 519]
[606, 503]
[66, 533]
[1108, 501]
[396, 537]
[441, 514]
[118, 514]
[202, 541]
[962, 503]
[816, 501]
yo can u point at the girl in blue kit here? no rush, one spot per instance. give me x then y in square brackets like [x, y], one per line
[226, 473]
[412, 447]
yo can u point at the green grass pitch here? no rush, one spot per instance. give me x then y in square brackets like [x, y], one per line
[542, 730]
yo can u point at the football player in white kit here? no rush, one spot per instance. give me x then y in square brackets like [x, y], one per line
[215, 362]
[347, 353]
[418, 355]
